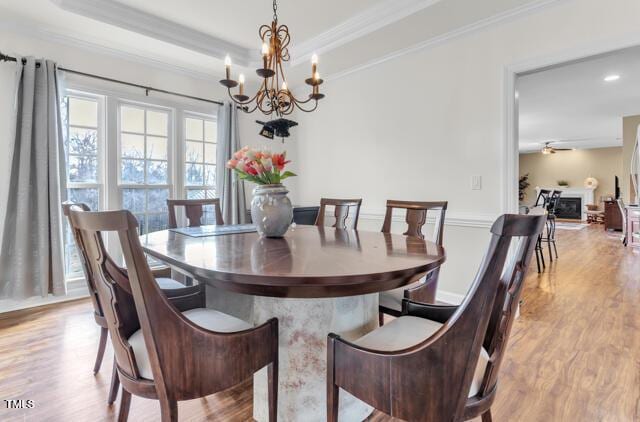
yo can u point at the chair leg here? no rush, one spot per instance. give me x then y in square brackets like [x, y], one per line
[104, 333]
[115, 384]
[486, 416]
[272, 374]
[333, 392]
[380, 318]
[538, 260]
[169, 410]
[125, 404]
[555, 248]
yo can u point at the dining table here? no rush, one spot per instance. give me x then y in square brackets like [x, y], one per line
[315, 281]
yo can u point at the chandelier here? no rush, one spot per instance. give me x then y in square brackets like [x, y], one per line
[274, 95]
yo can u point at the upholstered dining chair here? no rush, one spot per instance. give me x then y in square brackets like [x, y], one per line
[423, 290]
[342, 208]
[161, 351]
[194, 210]
[440, 363]
[175, 291]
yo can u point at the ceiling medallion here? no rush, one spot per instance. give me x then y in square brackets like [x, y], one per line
[274, 95]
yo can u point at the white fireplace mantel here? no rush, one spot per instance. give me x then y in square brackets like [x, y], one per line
[568, 192]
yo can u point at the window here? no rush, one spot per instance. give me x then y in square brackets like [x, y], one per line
[121, 152]
[144, 165]
[200, 157]
[82, 144]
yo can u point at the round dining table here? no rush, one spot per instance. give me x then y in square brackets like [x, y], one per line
[315, 280]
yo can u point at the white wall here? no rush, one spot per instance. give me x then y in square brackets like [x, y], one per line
[419, 126]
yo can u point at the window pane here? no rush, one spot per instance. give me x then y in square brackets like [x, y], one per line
[158, 222]
[132, 171]
[210, 153]
[210, 131]
[83, 112]
[156, 148]
[72, 263]
[208, 214]
[195, 194]
[157, 123]
[87, 196]
[193, 129]
[132, 119]
[156, 172]
[157, 200]
[211, 193]
[82, 141]
[82, 169]
[133, 199]
[194, 174]
[193, 152]
[210, 175]
[132, 146]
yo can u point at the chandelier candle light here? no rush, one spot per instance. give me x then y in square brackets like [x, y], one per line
[274, 95]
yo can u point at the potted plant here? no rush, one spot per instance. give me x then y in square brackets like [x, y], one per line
[523, 184]
[563, 183]
[271, 209]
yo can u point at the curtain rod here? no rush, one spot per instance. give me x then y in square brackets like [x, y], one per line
[147, 89]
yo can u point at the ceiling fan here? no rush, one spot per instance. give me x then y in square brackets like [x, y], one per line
[550, 149]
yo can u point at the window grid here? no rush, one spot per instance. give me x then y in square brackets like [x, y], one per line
[85, 189]
[200, 185]
[152, 216]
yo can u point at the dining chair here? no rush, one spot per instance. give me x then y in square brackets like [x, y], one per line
[440, 363]
[341, 210]
[550, 237]
[623, 213]
[194, 210]
[175, 291]
[161, 351]
[423, 290]
[539, 210]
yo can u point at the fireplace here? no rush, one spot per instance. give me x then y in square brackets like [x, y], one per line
[569, 208]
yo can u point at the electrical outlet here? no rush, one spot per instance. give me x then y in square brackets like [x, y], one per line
[476, 182]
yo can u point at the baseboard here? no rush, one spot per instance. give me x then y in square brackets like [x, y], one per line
[449, 297]
[75, 290]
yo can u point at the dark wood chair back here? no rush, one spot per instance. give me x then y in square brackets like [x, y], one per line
[416, 217]
[430, 381]
[543, 198]
[505, 308]
[187, 361]
[88, 275]
[343, 208]
[194, 210]
[554, 200]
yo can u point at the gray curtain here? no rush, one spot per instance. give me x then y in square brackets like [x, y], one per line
[31, 258]
[230, 188]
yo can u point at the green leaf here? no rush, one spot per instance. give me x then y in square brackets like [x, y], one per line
[287, 174]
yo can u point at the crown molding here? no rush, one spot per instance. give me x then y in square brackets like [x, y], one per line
[131, 19]
[371, 20]
[448, 36]
[37, 31]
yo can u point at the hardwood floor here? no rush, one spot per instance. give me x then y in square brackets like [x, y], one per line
[574, 354]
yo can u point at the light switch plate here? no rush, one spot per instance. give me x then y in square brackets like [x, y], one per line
[476, 182]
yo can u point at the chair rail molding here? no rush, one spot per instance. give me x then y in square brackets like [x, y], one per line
[456, 219]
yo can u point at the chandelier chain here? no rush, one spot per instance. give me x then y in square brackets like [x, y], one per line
[275, 10]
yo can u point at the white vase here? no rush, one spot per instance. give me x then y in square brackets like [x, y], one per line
[271, 210]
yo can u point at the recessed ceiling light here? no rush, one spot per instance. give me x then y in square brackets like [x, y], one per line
[611, 78]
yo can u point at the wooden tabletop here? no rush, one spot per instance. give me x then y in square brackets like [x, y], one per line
[309, 262]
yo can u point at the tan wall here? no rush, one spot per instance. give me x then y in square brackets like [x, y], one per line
[629, 130]
[574, 167]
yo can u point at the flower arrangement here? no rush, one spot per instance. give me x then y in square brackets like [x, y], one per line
[261, 167]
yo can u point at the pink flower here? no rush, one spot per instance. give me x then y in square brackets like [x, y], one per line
[280, 160]
[231, 164]
[267, 164]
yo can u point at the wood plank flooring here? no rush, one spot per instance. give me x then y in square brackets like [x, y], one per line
[574, 354]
